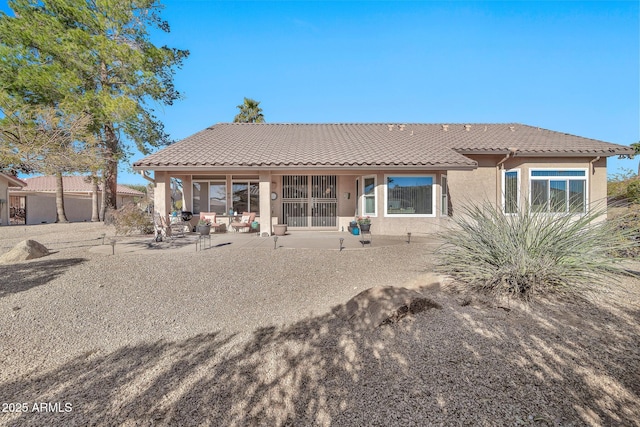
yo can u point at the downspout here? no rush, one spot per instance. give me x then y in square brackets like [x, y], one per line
[499, 167]
[591, 164]
[147, 177]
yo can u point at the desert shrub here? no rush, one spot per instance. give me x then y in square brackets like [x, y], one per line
[627, 220]
[131, 219]
[633, 191]
[624, 187]
[529, 252]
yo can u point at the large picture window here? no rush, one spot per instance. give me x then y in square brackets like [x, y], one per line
[409, 195]
[559, 191]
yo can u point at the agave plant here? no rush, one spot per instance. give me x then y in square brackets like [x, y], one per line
[531, 252]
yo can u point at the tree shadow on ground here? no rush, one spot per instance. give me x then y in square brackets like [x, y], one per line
[22, 276]
[466, 364]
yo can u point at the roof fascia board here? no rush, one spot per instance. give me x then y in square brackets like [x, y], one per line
[13, 182]
[22, 191]
[565, 154]
[544, 153]
[296, 167]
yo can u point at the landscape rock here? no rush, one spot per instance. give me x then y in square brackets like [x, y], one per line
[385, 304]
[427, 281]
[25, 250]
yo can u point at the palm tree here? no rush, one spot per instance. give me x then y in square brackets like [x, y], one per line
[250, 112]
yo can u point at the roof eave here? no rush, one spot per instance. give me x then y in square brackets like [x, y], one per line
[200, 168]
[13, 181]
[18, 190]
[519, 153]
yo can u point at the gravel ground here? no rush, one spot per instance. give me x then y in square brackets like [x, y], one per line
[235, 337]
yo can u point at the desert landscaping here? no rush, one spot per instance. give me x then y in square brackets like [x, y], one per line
[227, 336]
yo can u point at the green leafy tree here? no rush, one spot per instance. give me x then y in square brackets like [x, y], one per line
[97, 57]
[250, 112]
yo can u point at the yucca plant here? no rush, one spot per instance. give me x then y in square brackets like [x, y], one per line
[530, 252]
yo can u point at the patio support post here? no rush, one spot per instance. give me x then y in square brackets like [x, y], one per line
[265, 203]
[162, 194]
[187, 190]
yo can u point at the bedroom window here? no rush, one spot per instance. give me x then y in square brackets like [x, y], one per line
[559, 191]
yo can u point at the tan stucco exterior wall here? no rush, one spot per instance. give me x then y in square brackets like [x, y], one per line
[475, 186]
[41, 207]
[483, 184]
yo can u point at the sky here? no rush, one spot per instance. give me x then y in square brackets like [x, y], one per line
[572, 66]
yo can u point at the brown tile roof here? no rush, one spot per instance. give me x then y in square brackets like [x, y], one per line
[12, 180]
[71, 184]
[365, 145]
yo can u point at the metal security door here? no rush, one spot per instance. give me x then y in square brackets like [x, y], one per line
[309, 201]
[324, 201]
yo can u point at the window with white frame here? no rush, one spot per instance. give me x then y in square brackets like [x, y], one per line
[369, 196]
[444, 196]
[410, 195]
[558, 191]
[510, 191]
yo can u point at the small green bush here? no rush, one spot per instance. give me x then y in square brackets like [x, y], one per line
[131, 219]
[531, 252]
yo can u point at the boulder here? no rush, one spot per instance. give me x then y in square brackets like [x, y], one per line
[385, 304]
[25, 250]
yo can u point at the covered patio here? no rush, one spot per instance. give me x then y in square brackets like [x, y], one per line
[302, 201]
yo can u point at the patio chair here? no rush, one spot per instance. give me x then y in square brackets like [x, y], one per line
[163, 229]
[159, 228]
[211, 216]
[245, 222]
[177, 225]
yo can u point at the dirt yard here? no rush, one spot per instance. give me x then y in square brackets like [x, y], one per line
[207, 338]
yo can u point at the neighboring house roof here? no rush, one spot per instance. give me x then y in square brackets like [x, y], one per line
[71, 184]
[435, 146]
[12, 180]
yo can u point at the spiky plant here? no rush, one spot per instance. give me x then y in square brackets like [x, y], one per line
[530, 252]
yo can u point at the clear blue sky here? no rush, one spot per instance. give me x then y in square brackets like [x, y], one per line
[567, 66]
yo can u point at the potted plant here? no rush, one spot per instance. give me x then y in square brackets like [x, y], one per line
[204, 227]
[364, 222]
[279, 229]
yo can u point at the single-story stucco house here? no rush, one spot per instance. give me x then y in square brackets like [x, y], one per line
[6, 181]
[406, 177]
[38, 198]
